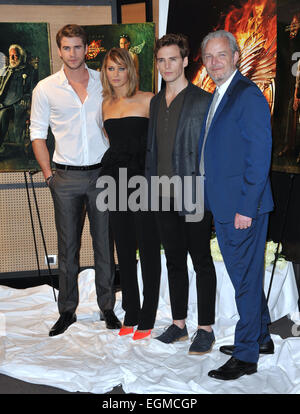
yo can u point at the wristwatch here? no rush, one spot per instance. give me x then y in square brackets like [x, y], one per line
[48, 179]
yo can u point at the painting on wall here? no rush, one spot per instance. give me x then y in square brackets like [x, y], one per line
[137, 38]
[24, 60]
[286, 119]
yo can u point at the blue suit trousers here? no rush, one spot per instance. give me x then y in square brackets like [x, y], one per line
[243, 254]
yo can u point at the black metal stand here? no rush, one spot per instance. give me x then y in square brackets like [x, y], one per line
[282, 232]
[31, 173]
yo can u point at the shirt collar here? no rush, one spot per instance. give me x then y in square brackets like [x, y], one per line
[64, 81]
[222, 88]
[62, 77]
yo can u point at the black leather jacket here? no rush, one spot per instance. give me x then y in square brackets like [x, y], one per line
[185, 151]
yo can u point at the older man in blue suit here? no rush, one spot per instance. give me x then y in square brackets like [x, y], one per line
[235, 154]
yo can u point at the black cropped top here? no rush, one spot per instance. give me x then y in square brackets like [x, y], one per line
[128, 139]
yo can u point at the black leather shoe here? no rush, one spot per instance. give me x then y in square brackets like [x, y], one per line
[65, 320]
[111, 321]
[267, 348]
[233, 369]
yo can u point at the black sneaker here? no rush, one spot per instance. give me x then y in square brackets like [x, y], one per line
[202, 342]
[173, 334]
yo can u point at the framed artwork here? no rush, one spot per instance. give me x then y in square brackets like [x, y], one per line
[24, 60]
[268, 33]
[252, 22]
[286, 119]
[137, 38]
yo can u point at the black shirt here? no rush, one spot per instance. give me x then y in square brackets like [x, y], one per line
[166, 128]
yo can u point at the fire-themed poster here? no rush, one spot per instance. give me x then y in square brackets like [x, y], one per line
[286, 119]
[270, 61]
[24, 60]
[138, 39]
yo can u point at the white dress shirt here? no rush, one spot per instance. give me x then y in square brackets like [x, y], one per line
[76, 126]
[222, 89]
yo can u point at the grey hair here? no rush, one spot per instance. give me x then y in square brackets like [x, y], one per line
[21, 51]
[221, 33]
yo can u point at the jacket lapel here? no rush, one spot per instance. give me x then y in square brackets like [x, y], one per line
[225, 98]
[185, 113]
[153, 118]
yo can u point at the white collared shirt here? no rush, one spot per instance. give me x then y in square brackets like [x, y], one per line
[76, 126]
[222, 89]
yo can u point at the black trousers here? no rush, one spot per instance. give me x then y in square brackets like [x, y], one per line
[74, 194]
[180, 238]
[132, 230]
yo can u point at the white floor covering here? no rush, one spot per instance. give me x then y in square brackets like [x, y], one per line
[90, 358]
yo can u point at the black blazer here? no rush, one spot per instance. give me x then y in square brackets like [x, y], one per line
[185, 150]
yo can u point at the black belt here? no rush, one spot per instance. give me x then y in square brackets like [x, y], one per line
[79, 168]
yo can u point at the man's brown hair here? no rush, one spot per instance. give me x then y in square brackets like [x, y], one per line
[71, 30]
[171, 39]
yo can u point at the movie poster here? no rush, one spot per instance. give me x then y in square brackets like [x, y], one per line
[24, 60]
[269, 38]
[286, 119]
[137, 38]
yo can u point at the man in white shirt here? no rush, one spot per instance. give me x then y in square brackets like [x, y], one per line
[69, 101]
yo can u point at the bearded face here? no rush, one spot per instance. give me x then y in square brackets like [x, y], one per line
[14, 58]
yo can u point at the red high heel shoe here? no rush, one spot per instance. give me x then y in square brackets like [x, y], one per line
[125, 331]
[141, 334]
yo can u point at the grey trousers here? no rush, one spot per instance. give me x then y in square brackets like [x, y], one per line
[74, 194]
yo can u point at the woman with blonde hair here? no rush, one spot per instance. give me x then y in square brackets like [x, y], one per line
[125, 114]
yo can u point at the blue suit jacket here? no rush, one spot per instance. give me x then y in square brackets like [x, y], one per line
[237, 153]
